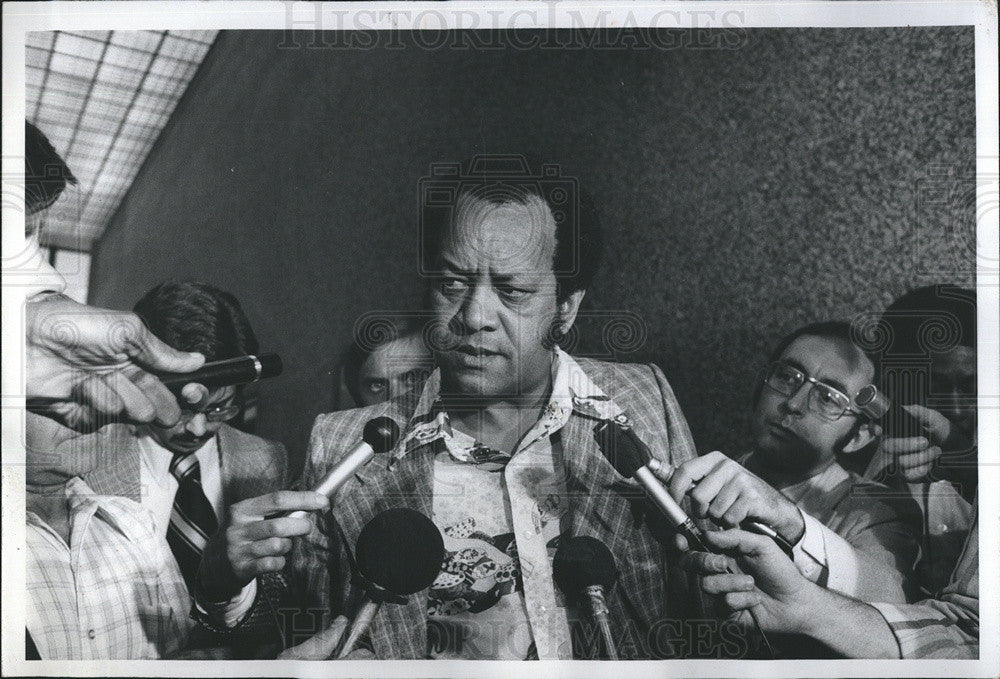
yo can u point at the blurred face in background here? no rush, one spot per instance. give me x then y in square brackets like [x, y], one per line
[394, 368]
[195, 429]
[953, 387]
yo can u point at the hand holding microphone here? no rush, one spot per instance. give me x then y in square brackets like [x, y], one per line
[583, 567]
[259, 531]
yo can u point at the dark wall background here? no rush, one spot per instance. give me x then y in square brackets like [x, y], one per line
[774, 177]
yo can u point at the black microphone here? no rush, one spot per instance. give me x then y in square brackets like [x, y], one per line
[380, 436]
[399, 552]
[584, 565]
[229, 372]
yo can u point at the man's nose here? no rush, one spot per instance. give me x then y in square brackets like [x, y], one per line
[798, 402]
[197, 425]
[478, 312]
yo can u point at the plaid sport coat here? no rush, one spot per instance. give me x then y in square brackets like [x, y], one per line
[653, 600]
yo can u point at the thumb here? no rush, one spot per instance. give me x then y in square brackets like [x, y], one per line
[739, 542]
[150, 352]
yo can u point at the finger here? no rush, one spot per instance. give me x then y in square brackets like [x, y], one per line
[725, 583]
[680, 542]
[269, 564]
[281, 501]
[94, 392]
[165, 407]
[708, 487]
[735, 515]
[689, 473]
[269, 547]
[136, 405]
[741, 542]
[320, 646]
[920, 457]
[739, 601]
[148, 351]
[899, 446]
[282, 527]
[930, 419]
[703, 563]
[194, 395]
[723, 503]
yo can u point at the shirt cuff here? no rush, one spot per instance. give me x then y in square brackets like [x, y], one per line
[825, 558]
[230, 613]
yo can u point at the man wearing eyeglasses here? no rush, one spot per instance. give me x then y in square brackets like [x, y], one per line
[847, 534]
[181, 484]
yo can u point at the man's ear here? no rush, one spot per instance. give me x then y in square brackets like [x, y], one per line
[568, 309]
[866, 433]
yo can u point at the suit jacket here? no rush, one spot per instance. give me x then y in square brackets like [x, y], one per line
[249, 465]
[652, 600]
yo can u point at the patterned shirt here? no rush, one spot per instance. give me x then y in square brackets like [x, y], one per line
[947, 626]
[113, 592]
[500, 516]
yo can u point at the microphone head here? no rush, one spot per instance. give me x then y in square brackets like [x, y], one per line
[270, 365]
[581, 562]
[400, 550]
[622, 448]
[381, 433]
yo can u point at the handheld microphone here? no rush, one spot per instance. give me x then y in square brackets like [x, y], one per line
[632, 459]
[584, 564]
[399, 552]
[379, 436]
[229, 372]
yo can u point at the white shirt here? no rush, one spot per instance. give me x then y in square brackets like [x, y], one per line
[158, 488]
[115, 591]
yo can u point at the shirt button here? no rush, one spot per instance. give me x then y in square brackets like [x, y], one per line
[943, 528]
[91, 634]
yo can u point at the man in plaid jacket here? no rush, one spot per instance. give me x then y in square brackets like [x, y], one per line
[499, 450]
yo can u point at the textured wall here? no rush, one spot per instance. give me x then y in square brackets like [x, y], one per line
[744, 191]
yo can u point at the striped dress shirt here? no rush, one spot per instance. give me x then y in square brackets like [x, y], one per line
[113, 592]
[946, 626]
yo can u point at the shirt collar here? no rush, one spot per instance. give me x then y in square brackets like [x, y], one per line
[572, 391]
[126, 516]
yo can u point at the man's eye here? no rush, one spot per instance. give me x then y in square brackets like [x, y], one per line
[827, 395]
[452, 285]
[377, 386]
[511, 292]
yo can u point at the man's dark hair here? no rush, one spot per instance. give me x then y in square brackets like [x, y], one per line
[45, 173]
[198, 317]
[931, 318]
[579, 241]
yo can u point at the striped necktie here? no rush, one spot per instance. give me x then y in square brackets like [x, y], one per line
[192, 520]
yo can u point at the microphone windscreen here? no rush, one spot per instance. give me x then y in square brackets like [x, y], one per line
[621, 447]
[381, 433]
[581, 562]
[400, 550]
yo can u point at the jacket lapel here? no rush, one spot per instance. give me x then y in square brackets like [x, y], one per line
[399, 630]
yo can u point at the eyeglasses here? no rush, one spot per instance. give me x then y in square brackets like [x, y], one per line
[827, 402]
[217, 413]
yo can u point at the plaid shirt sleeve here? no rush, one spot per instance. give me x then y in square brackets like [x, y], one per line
[317, 558]
[945, 627]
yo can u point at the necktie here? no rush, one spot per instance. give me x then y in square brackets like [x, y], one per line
[192, 520]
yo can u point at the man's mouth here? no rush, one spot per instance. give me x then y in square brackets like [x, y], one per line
[475, 351]
[781, 430]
